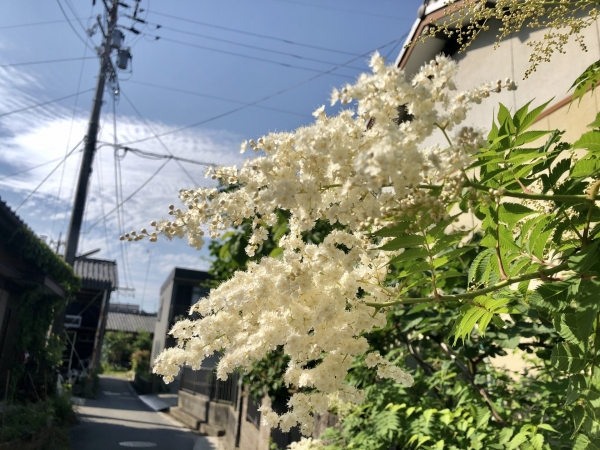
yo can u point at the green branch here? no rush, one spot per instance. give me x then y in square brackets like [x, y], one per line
[472, 294]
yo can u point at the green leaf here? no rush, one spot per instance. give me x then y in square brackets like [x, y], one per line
[395, 231]
[480, 262]
[585, 168]
[537, 441]
[529, 136]
[410, 254]
[575, 327]
[589, 140]
[545, 426]
[586, 261]
[505, 118]
[482, 417]
[276, 253]
[568, 358]
[505, 435]
[507, 241]
[403, 241]
[511, 213]
[584, 443]
[552, 296]
[577, 387]
[596, 122]
[532, 115]
[578, 415]
[481, 311]
[587, 80]
[517, 441]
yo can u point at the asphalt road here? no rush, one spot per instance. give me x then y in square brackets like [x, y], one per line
[118, 419]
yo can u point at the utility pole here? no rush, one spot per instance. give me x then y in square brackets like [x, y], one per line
[90, 140]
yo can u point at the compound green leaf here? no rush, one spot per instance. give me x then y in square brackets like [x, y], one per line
[568, 358]
[553, 296]
[589, 140]
[511, 213]
[403, 241]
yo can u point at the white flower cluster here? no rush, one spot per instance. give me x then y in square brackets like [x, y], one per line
[307, 444]
[360, 168]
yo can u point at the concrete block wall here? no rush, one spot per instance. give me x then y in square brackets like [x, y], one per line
[225, 420]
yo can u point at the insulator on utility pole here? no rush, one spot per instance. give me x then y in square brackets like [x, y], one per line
[123, 58]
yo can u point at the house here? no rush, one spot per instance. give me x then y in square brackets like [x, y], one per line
[34, 283]
[86, 314]
[181, 289]
[130, 322]
[482, 63]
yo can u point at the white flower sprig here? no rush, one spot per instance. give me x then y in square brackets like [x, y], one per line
[361, 169]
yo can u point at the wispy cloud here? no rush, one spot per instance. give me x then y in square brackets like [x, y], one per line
[38, 135]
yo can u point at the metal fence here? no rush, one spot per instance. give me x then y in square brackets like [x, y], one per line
[252, 412]
[204, 382]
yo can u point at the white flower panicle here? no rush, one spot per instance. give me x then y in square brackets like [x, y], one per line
[360, 169]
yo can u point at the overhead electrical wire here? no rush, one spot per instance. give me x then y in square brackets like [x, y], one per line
[268, 97]
[29, 169]
[250, 33]
[129, 197]
[255, 47]
[242, 55]
[37, 105]
[30, 63]
[199, 94]
[72, 27]
[62, 174]
[72, 8]
[163, 145]
[32, 24]
[155, 156]
[48, 176]
[119, 196]
[345, 10]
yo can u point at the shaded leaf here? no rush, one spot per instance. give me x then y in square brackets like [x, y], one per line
[568, 358]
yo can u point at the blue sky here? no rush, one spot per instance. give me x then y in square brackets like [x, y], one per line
[211, 58]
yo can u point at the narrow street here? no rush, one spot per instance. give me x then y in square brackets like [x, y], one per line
[117, 418]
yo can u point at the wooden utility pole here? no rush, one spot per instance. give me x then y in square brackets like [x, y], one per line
[90, 140]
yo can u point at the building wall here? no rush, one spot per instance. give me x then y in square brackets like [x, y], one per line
[482, 63]
[162, 320]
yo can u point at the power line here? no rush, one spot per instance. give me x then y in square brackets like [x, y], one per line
[249, 33]
[62, 174]
[158, 138]
[199, 94]
[48, 176]
[72, 27]
[247, 105]
[37, 105]
[33, 167]
[32, 24]
[119, 195]
[346, 10]
[154, 156]
[72, 8]
[255, 47]
[30, 63]
[241, 55]
[129, 197]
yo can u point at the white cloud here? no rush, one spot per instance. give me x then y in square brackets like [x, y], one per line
[42, 134]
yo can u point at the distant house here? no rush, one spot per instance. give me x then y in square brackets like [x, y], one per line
[482, 63]
[34, 282]
[86, 315]
[181, 289]
[130, 322]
